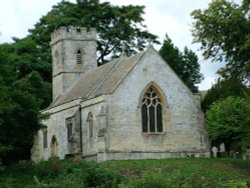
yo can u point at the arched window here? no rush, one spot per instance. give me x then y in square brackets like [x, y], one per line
[90, 122]
[54, 146]
[151, 111]
[79, 57]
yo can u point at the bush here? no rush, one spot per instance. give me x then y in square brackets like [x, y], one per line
[102, 178]
[49, 169]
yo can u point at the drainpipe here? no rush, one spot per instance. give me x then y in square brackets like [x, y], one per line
[80, 119]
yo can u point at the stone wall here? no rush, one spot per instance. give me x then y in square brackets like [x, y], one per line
[116, 120]
[183, 131]
[56, 126]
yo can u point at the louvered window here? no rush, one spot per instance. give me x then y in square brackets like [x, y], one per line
[79, 57]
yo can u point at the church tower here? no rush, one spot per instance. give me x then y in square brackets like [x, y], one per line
[73, 53]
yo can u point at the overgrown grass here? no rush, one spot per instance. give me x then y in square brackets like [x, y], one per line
[169, 173]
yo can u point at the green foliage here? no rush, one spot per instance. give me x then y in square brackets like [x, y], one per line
[185, 64]
[228, 121]
[234, 184]
[20, 102]
[116, 26]
[223, 89]
[223, 30]
[100, 177]
[183, 173]
[154, 179]
[60, 174]
[27, 57]
[25, 65]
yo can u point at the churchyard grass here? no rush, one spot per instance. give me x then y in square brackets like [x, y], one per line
[152, 173]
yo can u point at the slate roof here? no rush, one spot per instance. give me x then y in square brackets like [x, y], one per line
[102, 80]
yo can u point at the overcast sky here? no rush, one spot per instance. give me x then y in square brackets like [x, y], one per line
[161, 17]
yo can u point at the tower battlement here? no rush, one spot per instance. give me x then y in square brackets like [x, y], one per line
[73, 33]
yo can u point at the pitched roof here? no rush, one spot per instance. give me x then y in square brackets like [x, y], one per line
[102, 80]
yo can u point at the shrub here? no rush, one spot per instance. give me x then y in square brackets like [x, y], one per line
[98, 177]
[49, 169]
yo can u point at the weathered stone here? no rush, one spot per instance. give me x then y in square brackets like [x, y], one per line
[113, 93]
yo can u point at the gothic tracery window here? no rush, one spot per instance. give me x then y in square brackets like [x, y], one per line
[151, 111]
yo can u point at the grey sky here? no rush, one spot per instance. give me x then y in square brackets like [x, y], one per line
[161, 17]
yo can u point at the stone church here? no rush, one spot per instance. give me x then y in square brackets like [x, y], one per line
[131, 108]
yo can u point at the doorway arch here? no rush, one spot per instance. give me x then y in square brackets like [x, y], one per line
[54, 147]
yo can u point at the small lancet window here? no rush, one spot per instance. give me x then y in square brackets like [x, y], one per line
[56, 57]
[151, 111]
[90, 122]
[69, 125]
[79, 55]
[45, 138]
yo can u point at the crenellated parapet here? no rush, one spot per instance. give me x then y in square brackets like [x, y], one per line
[73, 33]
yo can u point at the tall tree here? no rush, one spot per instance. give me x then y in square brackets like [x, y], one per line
[20, 104]
[223, 89]
[25, 65]
[223, 30]
[117, 26]
[185, 64]
[228, 121]
[6, 76]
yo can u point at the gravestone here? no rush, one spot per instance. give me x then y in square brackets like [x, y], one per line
[222, 151]
[222, 147]
[214, 151]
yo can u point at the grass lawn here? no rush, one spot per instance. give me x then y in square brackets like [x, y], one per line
[173, 173]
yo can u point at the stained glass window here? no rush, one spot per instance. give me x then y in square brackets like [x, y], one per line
[151, 111]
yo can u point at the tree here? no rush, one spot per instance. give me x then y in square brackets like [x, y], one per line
[22, 119]
[20, 104]
[223, 89]
[184, 64]
[117, 27]
[5, 104]
[228, 121]
[223, 30]
[25, 65]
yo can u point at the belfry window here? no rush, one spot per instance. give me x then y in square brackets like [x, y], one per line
[79, 57]
[151, 111]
